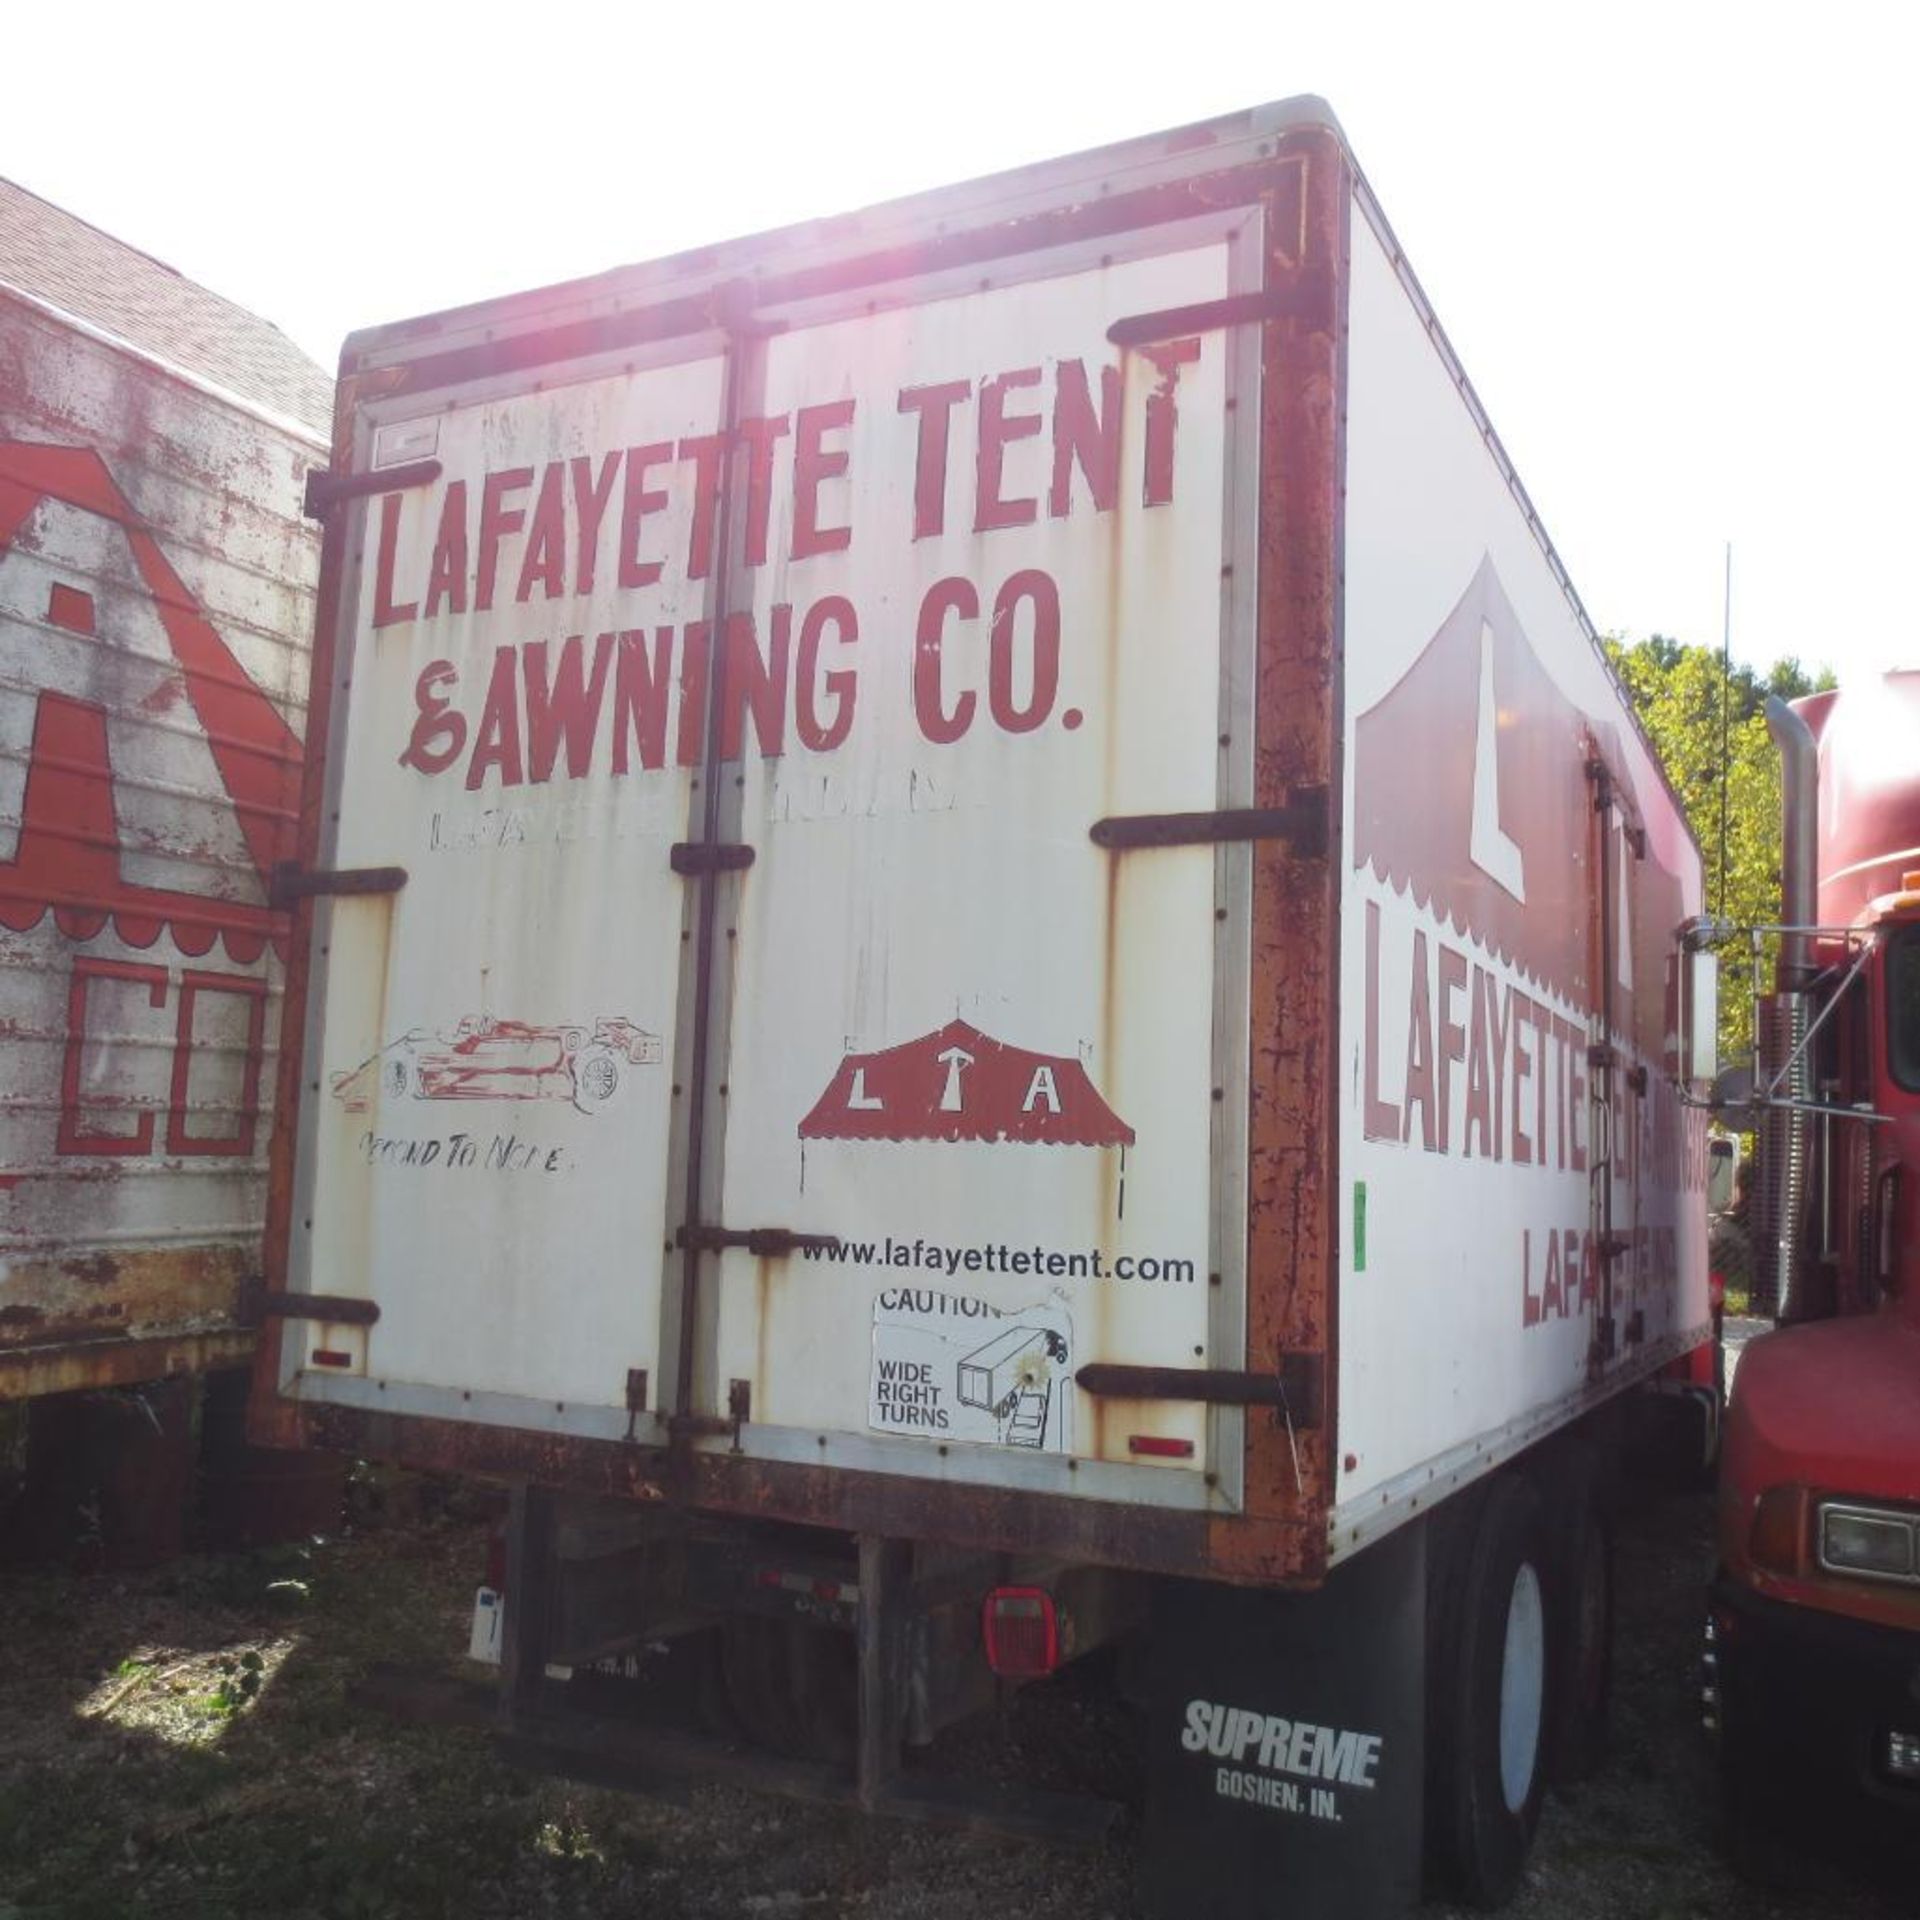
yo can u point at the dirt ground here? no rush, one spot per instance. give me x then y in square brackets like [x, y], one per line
[183, 1742]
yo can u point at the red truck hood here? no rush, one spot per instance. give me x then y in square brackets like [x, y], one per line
[1834, 1405]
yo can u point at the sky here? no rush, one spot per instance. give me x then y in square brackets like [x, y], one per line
[1669, 242]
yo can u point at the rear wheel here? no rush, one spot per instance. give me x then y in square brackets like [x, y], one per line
[1582, 1621]
[1490, 1719]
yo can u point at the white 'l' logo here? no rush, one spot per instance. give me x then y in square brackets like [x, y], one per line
[1490, 850]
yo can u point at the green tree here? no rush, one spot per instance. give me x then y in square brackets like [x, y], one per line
[1700, 721]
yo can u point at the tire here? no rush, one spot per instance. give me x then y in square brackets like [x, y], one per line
[1581, 1621]
[1490, 1702]
[596, 1078]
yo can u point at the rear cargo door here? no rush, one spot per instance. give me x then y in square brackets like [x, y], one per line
[983, 1051]
[489, 1106]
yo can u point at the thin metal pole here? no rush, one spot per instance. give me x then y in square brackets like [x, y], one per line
[1726, 702]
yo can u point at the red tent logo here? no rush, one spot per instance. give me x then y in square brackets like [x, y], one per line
[1471, 794]
[961, 1084]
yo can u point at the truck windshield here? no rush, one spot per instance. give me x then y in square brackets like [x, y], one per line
[1903, 1007]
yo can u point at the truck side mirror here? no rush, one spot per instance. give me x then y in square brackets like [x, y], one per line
[1732, 1099]
[1700, 1024]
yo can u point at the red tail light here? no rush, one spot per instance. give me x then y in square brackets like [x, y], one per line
[1022, 1632]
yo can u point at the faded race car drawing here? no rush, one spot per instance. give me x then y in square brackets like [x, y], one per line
[487, 1058]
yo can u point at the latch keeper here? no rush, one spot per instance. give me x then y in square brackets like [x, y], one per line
[692, 857]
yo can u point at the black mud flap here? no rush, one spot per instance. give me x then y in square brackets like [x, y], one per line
[1286, 1741]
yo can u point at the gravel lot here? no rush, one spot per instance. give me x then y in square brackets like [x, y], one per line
[183, 1743]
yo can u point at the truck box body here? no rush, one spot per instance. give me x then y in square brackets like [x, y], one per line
[156, 590]
[976, 878]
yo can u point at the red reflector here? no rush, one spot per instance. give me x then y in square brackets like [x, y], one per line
[331, 1357]
[767, 1577]
[827, 1590]
[1716, 1291]
[1021, 1631]
[1161, 1446]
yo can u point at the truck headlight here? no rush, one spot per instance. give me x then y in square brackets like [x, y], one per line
[1875, 1541]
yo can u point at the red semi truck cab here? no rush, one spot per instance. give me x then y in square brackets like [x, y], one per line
[1816, 1612]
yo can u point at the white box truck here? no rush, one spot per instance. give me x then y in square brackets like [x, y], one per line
[985, 962]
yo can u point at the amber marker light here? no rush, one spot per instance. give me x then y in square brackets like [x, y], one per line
[1777, 1540]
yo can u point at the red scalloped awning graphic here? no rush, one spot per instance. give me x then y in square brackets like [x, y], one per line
[1477, 726]
[68, 859]
[961, 1084]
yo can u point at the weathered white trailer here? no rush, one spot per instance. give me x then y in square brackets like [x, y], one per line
[157, 577]
[1047, 707]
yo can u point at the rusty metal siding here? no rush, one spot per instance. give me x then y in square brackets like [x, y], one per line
[156, 593]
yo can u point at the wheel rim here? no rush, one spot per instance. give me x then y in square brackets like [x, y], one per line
[1523, 1675]
[598, 1078]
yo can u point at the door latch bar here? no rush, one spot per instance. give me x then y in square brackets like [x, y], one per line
[764, 1243]
[1302, 822]
[327, 489]
[1295, 1385]
[291, 883]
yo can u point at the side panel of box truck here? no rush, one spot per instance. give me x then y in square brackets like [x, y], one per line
[1515, 869]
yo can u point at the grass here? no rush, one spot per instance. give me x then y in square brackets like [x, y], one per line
[183, 1743]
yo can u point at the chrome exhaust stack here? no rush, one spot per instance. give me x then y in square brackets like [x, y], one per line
[1785, 1066]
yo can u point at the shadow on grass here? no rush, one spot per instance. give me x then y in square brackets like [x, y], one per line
[139, 1775]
